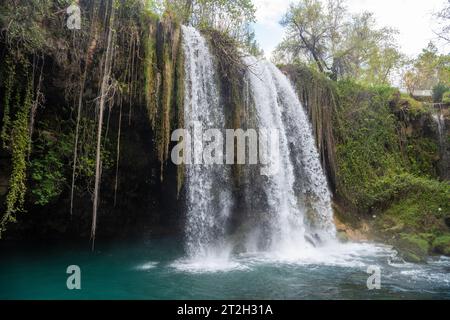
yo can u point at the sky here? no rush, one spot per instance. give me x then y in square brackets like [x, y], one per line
[412, 18]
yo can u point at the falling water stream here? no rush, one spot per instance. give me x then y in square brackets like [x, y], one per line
[444, 165]
[297, 206]
[208, 192]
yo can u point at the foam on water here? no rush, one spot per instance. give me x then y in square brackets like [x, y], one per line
[147, 266]
[349, 255]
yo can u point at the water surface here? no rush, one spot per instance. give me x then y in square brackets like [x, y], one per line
[157, 270]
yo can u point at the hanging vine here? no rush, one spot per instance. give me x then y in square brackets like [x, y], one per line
[10, 72]
[20, 142]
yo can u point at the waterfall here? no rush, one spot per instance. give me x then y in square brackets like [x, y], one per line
[438, 117]
[290, 210]
[208, 196]
[444, 163]
[298, 206]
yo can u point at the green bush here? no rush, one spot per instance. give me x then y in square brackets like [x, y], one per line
[414, 107]
[374, 168]
[446, 97]
[367, 141]
[438, 92]
[48, 167]
[415, 204]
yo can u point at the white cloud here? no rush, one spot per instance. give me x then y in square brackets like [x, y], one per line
[268, 30]
[270, 11]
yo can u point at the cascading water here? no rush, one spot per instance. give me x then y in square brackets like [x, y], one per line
[208, 193]
[293, 207]
[310, 177]
[444, 165]
[298, 201]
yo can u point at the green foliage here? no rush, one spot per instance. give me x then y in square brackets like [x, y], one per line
[374, 168]
[52, 159]
[427, 71]
[446, 97]
[423, 154]
[367, 146]
[441, 245]
[9, 73]
[338, 43]
[48, 166]
[22, 23]
[86, 160]
[20, 143]
[233, 17]
[414, 206]
[412, 106]
[438, 92]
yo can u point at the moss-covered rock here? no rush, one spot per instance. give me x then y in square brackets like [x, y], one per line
[416, 206]
[412, 248]
[441, 245]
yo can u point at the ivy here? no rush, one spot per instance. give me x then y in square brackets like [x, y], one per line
[20, 142]
[9, 81]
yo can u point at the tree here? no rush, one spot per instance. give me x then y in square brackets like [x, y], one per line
[230, 16]
[427, 70]
[444, 18]
[338, 43]
[438, 92]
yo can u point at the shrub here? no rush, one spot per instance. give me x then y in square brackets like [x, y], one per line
[438, 92]
[446, 97]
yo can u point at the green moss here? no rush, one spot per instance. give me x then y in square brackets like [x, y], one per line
[441, 245]
[150, 74]
[180, 92]
[412, 248]
[163, 82]
[411, 105]
[415, 205]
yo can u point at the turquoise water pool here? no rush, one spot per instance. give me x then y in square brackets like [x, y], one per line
[157, 270]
